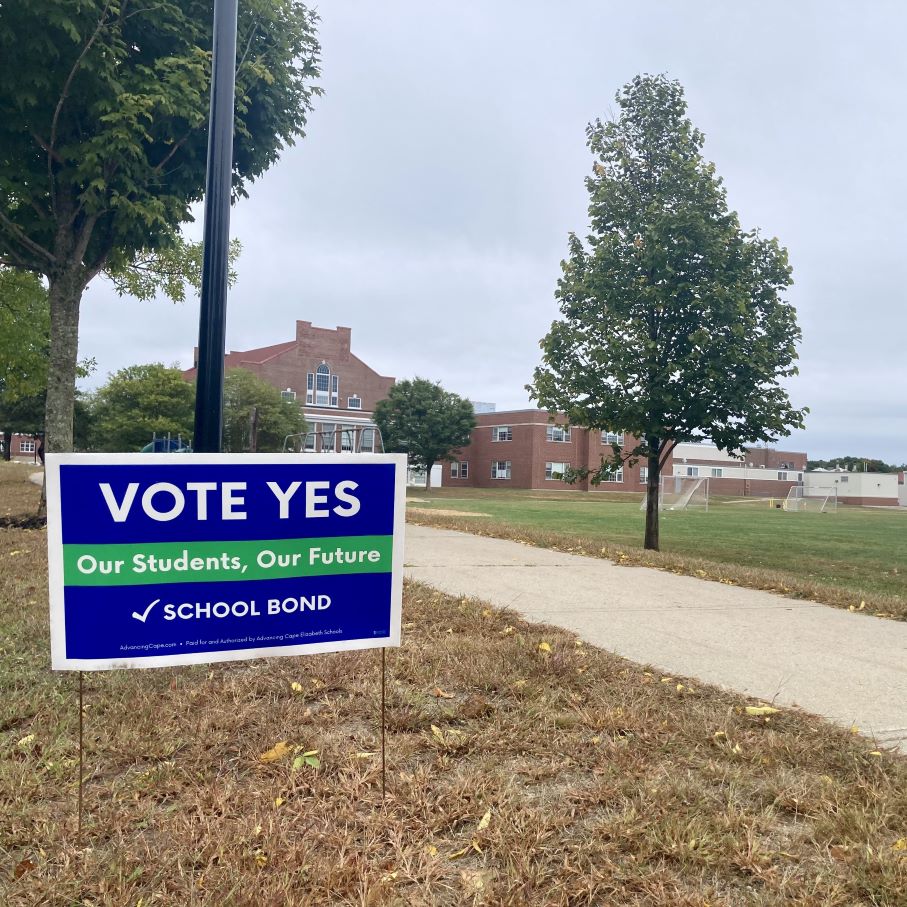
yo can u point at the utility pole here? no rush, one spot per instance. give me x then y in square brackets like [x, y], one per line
[212, 327]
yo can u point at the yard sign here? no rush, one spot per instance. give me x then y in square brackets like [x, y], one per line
[169, 559]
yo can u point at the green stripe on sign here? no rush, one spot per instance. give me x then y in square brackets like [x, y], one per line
[207, 562]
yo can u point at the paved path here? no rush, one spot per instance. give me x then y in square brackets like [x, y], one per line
[851, 668]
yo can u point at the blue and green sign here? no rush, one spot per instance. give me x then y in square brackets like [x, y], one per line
[160, 560]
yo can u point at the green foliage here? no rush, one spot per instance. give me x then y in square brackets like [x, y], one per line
[103, 141]
[423, 420]
[138, 401]
[674, 327]
[276, 417]
[104, 112]
[24, 334]
[170, 271]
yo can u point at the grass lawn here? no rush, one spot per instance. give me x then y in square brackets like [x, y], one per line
[523, 769]
[854, 555]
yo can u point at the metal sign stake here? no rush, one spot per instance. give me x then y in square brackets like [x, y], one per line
[383, 724]
[79, 828]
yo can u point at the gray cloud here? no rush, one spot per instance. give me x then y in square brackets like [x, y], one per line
[428, 208]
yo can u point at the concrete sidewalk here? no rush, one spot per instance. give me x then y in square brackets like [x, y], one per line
[851, 668]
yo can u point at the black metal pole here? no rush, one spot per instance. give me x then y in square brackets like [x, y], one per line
[212, 327]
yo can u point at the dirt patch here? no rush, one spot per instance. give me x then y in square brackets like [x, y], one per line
[439, 512]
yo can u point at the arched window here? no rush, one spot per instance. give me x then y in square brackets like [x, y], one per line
[322, 388]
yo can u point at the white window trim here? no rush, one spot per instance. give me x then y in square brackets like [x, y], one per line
[550, 471]
[496, 431]
[503, 474]
[565, 434]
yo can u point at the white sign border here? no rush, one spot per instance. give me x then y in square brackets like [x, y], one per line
[59, 661]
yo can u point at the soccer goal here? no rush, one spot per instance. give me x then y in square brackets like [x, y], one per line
[682, 493]
[822, 499]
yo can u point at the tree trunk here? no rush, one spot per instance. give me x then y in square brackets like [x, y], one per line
[65, 294]
[7, 445]
[428, 477]
[651, 541]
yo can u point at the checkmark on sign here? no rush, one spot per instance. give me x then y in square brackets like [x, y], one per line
[144, 615]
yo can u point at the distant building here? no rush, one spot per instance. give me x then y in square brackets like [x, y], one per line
[21, 446]
[526, 449]
[334, 387]
[761, 472]
[878, 488]
[523, 449]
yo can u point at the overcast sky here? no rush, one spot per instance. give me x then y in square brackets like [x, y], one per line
[429, 206]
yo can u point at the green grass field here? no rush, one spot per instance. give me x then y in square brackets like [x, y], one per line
[853, 555]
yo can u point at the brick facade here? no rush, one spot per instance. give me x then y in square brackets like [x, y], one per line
[333, 386]
[523, 438]
[529, 446]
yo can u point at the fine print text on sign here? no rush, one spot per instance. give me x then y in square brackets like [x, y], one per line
[167, 559]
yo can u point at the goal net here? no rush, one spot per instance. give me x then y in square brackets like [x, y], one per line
[682, 493]
[819, 499]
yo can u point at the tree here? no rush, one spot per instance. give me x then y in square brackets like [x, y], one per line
[856, 464]
[674, 324]
[423, 420]
[138, 402]
[24, 330]
[274, 417]
[103, 115]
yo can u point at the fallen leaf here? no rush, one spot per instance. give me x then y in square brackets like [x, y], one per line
[27, 866]
[900, 844]
[296, 686]
[278, 802]
[484, 821]
[486, 612]
[757, 710]
[437, 732]
[26, 741]
[277, 752]
[544, 647]
[309, 757]
[441, 694]
[432, 850]
[459, 853]
[363, 755]
[261, 859]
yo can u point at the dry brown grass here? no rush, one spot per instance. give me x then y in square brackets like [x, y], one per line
[782, 582]
[516, 776]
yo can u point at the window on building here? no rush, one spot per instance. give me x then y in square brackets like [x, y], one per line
[347, 433]
[26, 446]
[693, 471]
[782, 476]
[328, 440]
[455, 470]
[310, 440]
[799, 476]
[717, 472]
[556, 471]
[844, 478]
[335, 390]
[612, 437]
[613, 475]
[288, 394]
[558, 433]
[643, 474]
[354, 402]
[464, 469]
[501, 433]
[322, 385]
[500, 469]
[367, 440]
[310, 387]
